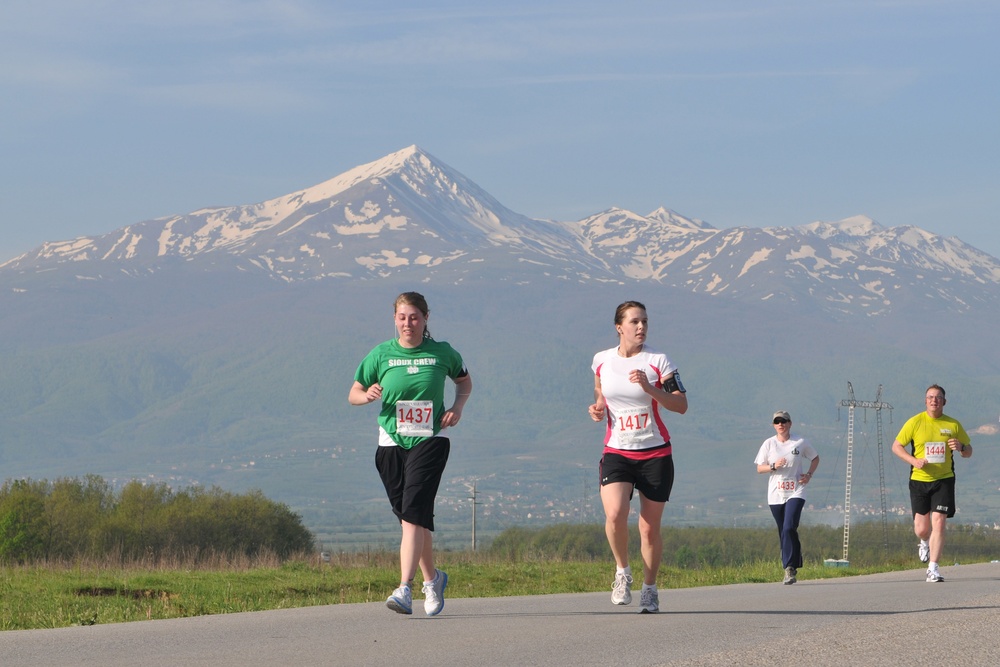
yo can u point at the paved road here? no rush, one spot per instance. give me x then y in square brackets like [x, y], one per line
[884, 619]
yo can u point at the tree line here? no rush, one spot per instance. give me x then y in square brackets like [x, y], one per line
[712, 546]
[72, 518]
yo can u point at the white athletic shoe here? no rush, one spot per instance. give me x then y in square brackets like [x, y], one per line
[791, 575]
[934, 576]
[923, 551]
[401, 600]
[434, 593]
[649, 601]
[621, 590]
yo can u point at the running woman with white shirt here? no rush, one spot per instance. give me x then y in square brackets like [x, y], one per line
[631, 384]
[781, 456]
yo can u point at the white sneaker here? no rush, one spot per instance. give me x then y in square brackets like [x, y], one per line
[434, 593]
[791, 575]
[649, 601]
[621, 590]
[934, 576]
[923, 551]
[401, 600]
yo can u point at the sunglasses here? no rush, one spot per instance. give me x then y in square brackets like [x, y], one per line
[780, 420]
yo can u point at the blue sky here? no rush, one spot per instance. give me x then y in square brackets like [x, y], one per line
[742, 112]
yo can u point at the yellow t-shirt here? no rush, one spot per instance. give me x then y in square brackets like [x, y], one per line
[928, 438]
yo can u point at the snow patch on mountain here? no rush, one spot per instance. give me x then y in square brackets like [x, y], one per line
[758, 257]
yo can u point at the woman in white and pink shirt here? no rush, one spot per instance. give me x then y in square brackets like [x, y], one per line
[631, 384]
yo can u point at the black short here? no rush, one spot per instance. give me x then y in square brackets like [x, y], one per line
[654, 478]
[411, 478]
[937, 496]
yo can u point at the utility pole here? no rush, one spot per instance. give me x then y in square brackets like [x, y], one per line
[474, 503]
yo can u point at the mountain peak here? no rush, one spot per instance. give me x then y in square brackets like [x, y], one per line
[670, 217]
[858, 222]
[856, 225]
[391, 163]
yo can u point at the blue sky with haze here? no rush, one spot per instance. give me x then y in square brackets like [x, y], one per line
[737, 112]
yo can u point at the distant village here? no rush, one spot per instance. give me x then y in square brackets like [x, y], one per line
[519, 503]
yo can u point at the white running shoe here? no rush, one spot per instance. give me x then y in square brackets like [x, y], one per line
[621, 590]
[923, 551]
[649, 601]
[934, 576]
[790, 575]
[434, 593]
[401, 600]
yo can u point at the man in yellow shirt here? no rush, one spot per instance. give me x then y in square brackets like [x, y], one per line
[933, 439]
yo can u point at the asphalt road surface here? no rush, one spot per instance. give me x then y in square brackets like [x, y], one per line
[884, 619]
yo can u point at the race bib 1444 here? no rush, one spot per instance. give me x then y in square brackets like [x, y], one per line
[934, 451]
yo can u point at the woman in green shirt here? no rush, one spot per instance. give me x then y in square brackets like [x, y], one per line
[408, 375]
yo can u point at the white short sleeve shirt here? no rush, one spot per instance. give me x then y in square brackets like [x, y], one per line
[784, 482]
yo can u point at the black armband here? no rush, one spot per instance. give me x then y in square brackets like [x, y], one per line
[673, 383]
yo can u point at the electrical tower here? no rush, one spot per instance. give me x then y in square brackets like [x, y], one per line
[878, 405]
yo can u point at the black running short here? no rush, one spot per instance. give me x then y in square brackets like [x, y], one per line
[411, 478]
[936, 496]
[654, 478]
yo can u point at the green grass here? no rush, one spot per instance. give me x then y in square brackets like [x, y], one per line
[62, 595]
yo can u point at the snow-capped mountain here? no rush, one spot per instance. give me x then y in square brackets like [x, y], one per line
[410, 212]
[192, 346]
[403, 211]
[854, 265]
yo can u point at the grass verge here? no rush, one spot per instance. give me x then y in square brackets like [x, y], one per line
[57, 595]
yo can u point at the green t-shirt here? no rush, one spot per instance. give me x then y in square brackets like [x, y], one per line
[412, 381]
[926, 435]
